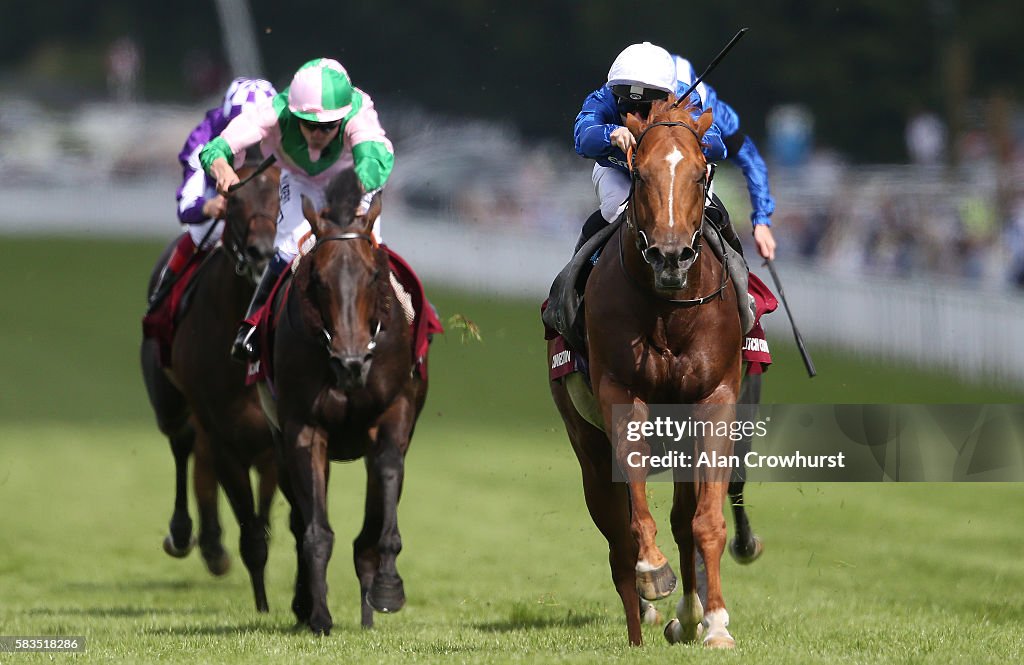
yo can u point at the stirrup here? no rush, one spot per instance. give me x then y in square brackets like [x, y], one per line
[244, 347]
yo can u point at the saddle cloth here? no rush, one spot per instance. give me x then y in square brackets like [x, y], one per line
[162, 322]
[411, 294]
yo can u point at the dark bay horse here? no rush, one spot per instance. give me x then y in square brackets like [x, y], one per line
[345, 389]
[202, 403]
[662, 327]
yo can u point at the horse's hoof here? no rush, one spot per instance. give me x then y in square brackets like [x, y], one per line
[321, 630]
[719, 641]
[218, 564]
[320, 622]
[677, 633]
[746, 555]
[649, 614]
[178, 552]
[656, 584]
[385, 596]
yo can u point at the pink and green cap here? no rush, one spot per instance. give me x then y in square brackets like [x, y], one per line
[321, 91]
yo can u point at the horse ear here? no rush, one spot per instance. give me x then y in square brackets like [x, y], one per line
[318, 223]
[704, 122]
[374, 212]
[634, 123]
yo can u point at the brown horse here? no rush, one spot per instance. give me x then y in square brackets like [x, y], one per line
[345, 389]
[662, 327]
[202, 403]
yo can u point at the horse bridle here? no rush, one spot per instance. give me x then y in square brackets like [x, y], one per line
[349, 235]
[234, 245]
[643, 245]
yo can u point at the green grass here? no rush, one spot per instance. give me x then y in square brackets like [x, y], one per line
[501, 561]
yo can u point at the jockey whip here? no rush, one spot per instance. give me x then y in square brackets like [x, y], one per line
[808, 363]
[714, 63]
[263, 166]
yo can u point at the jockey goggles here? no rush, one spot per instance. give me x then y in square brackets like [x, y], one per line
[636, 99]
[325, 127]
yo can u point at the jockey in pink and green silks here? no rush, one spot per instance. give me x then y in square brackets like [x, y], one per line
[318, 126]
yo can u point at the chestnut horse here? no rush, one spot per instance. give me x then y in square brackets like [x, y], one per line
[202, 403]
[662, 327]
[342, 374]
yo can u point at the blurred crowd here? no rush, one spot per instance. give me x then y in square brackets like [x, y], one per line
[921, 218]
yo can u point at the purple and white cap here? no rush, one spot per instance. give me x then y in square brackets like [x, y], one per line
[243, 92]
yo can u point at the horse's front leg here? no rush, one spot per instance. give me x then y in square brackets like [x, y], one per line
[308, 470]
[654, 576]
[385, 466]
[179, 540]
[204, 482]
[709, 529]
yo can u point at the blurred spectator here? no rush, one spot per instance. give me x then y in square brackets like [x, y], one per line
[790, 134]
[204, 74]
[926, 139]
[124, 65]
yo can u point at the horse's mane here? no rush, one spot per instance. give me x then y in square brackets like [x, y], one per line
[343, 194]
[662, 111]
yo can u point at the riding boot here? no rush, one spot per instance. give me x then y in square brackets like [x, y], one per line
[594, 223]
[183, 251]
[717, 213]
[244, 347]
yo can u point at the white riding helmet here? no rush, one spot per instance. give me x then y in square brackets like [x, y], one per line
[642, 73]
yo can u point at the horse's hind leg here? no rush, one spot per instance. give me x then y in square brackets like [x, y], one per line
[608, 503]
[745, 547]
[252, 540]
[302, 601]
[686, 627]
[385, 475]
[171, 412]
[204, 478]
[364, 549]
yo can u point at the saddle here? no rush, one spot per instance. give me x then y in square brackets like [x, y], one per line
[563, 312]
[162, 323]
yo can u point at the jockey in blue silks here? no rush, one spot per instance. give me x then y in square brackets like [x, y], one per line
[641, 74]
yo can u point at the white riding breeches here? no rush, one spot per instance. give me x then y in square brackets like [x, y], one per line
[291, 222]
[199, 231]
[612, 186]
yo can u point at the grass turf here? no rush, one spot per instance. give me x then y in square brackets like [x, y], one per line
[501, 561]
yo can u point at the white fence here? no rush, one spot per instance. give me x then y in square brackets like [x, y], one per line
[927, 323]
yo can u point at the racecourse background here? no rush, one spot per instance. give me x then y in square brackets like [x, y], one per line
[886, 262]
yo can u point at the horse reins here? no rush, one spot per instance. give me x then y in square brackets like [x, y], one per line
[643, 244]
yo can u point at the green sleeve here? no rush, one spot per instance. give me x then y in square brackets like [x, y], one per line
[218, 147]
[373, 163]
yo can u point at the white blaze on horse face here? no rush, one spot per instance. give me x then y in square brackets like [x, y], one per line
[673, 159]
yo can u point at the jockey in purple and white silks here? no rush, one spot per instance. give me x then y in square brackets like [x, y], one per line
[641, 74]
[200, 208]
[320, 125]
